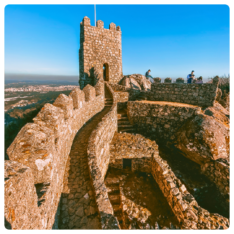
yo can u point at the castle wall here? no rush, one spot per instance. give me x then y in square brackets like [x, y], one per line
[99, 46]
[160, 119]
[98, 161]
[195, 94]
[42, 149]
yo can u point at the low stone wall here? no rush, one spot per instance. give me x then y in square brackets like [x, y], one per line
[134, 147]
[98, 161]
[196, 94]
[38, 158]
[160, 119]
[182, 203]
[187, 211]
[218, 172]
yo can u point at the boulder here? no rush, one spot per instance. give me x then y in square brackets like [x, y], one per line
[142, 81]
[203, 138]
[219, 113]
[130, 83]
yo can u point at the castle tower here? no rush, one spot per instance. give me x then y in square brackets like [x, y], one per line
[100, 49]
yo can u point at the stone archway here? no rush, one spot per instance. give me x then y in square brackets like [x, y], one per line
[106, 71]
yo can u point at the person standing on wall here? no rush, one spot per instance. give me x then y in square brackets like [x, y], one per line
[190, 77]
[148, 76]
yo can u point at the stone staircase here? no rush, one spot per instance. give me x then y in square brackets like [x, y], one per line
[108, 101]
[112, 185]
[123, 122]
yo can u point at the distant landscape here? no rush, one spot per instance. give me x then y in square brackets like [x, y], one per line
[25, 95]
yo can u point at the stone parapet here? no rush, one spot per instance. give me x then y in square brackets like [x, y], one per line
[161, 119]
[195, 94]
[98, 161]
[43, 149]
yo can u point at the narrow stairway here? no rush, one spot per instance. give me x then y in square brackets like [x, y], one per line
[108, 101]
[112, 185]
[123, 122]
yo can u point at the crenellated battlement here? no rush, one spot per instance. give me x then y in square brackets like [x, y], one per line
[101, 49]
[99, 24]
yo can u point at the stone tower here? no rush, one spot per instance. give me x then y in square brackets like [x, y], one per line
[100, 51]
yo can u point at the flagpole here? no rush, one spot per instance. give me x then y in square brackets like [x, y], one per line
[95, 14]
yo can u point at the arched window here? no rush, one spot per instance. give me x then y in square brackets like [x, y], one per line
[106, 72]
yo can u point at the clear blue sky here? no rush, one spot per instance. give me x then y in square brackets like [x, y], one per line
[171, 40]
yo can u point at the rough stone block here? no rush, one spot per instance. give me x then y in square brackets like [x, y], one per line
[100, 24]
[20, 197]
[112, 26]
[89, 92]
[66, 104]
[34, 147]
[52, 117]
[86, 21]
[78, 98]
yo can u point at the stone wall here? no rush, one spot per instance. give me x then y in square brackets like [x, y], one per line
[134, 147]
[160, 119]
[98, 161]
[186, 209]
[195, 94]
[99, 46]
[38, 158]
[182, 203]
[219, 173]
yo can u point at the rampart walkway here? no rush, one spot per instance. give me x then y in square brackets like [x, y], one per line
[78, 208]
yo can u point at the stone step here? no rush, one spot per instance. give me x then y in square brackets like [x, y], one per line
[112, 181]
[127, 130]
[125, 126]
[117, 208]
[124, 118]
[112, 188]
[123, 122]
[114, 199]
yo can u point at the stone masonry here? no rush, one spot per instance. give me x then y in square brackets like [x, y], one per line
[161, 119]
[42, 149]
[195, 94]
[99, 47]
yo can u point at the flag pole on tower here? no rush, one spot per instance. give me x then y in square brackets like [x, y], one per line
[95, 14]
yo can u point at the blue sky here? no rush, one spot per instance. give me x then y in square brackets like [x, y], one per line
[171, 40]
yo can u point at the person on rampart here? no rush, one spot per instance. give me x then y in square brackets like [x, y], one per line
[199, 80]
[148, 76]
[190, 77]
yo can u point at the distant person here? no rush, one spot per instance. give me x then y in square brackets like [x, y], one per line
[148, 76]
[190, 77]
[199, 80]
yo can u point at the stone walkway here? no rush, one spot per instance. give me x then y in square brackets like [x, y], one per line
[78, 208]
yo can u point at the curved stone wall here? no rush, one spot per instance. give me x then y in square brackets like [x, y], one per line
[98, 160]
[38, 157]
[160, 119]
